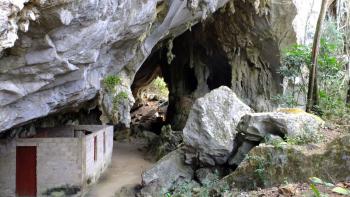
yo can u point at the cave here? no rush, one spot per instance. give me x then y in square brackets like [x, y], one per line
[190, 67]
[55, 74]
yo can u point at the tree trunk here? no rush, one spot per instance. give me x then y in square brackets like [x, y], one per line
[312, 95]
[348, 95]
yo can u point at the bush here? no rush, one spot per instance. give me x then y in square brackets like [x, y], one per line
[110, 82]
[331, 75]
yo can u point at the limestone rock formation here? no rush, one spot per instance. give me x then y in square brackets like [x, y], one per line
[15, 15]
[285, 123]
[61, 59]
[65, 48]
[168, 172]
[211, 126]
[267, 165]
[239, 47]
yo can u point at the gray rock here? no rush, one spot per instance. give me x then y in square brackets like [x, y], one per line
[268, 166]
[211, 127]
[168, 172]
[206, 175]
[69, 46]
[74, 46]
[285, 123]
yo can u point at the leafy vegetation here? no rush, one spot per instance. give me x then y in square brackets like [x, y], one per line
[159, 86]
[260, 164]
[317, 181]
[332, 76]
[120, 97]
[110, 82]
[305, 138]
[210, 187]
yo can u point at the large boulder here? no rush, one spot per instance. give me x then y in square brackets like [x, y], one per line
[166, 174]
[285, 123]
[271, 165]
[211, 126]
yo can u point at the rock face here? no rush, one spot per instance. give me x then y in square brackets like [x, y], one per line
[60, 61]
[66, 47]
[283, 123]
[168, 172]
[292, 123]
[268, 166]
[211, 126]
[14, 16]
[240, 47]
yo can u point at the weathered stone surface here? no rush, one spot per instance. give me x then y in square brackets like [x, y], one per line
[69, 46]
[284, 123]
[291, 123]
[116, 105]
[211, 126]
[60, 61]
[240, 47]
[168, 141]
[14, 16]
[206, 175]
[168, 172]
[268, 166]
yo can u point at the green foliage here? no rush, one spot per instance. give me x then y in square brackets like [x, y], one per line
[159, 87]
[331, 75]
[294, 59]
[277, 142]
[286, 100]
[120, 97]
[315, 190]
[340, 190]
[110, 82]
[184, 189]
[317, 181]
[260, 164]
[305, 138]
[210, 187]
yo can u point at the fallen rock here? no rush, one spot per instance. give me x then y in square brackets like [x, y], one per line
[211, 126]
[285, 123]
[207, 175]
[169, 140]
[168, 172]
[268, 165]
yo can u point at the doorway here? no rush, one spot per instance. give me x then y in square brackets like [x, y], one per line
[26, 171]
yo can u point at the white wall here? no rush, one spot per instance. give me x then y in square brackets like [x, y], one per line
[7, 168]
[95, 168]
[60, 161]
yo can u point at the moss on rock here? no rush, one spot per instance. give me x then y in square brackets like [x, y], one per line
[291, 163]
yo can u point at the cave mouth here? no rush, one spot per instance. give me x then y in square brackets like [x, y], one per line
[151, 95]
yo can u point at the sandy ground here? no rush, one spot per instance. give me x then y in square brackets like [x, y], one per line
[128, 162]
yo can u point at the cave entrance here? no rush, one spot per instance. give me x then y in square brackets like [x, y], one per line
[151, 98]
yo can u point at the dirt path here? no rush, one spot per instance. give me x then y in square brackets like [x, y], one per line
[125, 171]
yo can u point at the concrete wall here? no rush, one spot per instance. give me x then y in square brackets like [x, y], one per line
[94, 168]
[59, 162]
[62, 163]
[7, 168]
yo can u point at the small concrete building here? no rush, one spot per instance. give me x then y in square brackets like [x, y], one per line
[55, 161]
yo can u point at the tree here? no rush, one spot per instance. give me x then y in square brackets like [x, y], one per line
[312, 95]
[348, 95]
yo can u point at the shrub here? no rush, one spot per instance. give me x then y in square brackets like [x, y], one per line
[110, 82]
